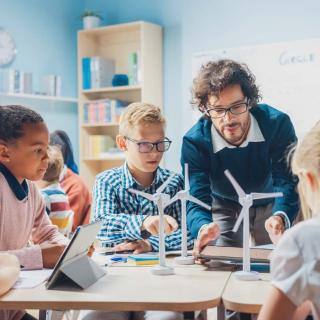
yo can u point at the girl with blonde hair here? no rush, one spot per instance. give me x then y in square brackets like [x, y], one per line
[295, 264]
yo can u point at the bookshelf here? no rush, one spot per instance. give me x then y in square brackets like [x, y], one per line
[117, 42]
[26, 96]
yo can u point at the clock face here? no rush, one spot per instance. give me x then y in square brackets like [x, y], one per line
[7, 48]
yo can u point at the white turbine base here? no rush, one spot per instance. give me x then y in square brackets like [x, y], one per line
[162, 270]
[184, 260]
[247, 275]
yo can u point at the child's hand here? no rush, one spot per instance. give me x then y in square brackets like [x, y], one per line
[91, 250]
[151, 224]
[137, 246]
[275, 227]
[208, 233]
[51, 251]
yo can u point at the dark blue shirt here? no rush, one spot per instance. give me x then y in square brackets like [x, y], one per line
[259, 167]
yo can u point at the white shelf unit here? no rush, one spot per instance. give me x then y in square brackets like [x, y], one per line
[117, 42]
[38, 97]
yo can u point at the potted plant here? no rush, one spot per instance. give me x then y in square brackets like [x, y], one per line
[90, 19]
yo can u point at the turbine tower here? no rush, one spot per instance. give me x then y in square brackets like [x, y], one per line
[160, 199]
[184, 196]
[246, 201]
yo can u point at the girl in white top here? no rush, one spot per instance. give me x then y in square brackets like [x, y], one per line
[9, 271]
[295, 264]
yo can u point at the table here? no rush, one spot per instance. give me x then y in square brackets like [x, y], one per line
[127, 288]
[246, 296]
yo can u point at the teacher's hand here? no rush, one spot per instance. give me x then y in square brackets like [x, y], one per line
[275, 227]
[208, 233]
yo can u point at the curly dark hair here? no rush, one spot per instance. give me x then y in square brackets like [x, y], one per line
[214, 76]
[12, 120]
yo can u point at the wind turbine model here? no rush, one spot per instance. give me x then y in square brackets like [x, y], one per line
[160, 199]
[246, 201]
[184, 196]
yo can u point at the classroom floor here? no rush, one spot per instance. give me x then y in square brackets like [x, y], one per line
[212, 313]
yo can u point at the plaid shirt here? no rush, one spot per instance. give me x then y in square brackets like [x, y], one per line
[123, 212]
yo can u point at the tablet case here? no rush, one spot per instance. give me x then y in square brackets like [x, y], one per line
[78, 272]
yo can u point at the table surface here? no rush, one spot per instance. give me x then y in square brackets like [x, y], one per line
[246, 296]
[131, 288]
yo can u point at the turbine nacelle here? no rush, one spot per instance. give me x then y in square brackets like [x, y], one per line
[246, 200]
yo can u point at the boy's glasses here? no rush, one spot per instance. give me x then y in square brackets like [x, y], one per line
[146, 147]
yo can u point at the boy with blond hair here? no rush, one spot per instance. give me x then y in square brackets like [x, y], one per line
[131, 222]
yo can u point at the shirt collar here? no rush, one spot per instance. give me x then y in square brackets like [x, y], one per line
[128, 181]
[254, 135]
[20, 190]
[55, 185]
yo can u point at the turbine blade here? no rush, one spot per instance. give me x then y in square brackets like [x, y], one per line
[142, 194]
[172, 200]
[256, 195]
[235, 184]
[163, 186]
[239, 220]
[197, 201]
[186, 177]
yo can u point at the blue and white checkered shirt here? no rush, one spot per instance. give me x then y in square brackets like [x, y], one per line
[123, 212]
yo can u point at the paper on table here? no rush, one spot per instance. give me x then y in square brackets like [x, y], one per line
[32, 278]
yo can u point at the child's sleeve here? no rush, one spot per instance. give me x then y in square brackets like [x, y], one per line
[289, 270]
[31, 257]
[117, 226]
[172, 241]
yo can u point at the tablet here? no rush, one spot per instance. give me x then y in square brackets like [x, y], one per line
[77, 248]
[235, 254]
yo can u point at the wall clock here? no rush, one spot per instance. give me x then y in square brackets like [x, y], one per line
[7, 48]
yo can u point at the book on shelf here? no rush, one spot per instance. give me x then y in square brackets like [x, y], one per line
[103, 111]
[97, 72]
[98, 144]
[134, 67]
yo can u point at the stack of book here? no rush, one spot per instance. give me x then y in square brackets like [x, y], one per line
[143, 260]
[98, 144]
[97, 72]
[103, 111]
[16, 81]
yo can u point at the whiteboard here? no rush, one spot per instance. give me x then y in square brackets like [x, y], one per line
[287, 73]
